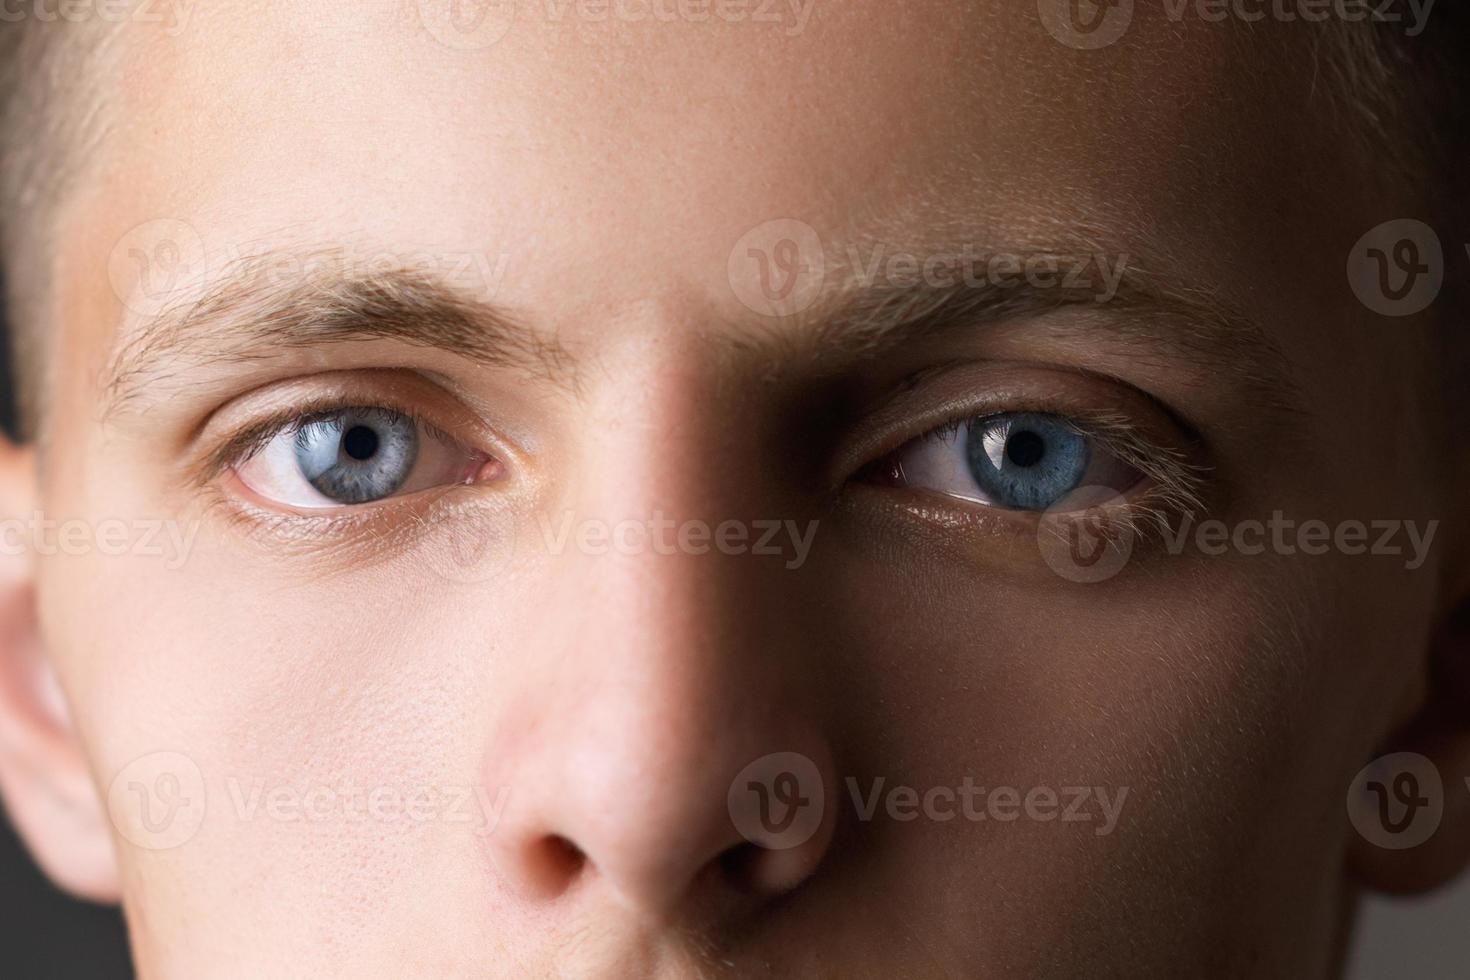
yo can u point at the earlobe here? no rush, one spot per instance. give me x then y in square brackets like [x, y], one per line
[43, 773]
[1410, 809]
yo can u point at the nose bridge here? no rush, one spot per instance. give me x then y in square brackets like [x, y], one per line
[665, 693]
[662, 534]
[661, 674]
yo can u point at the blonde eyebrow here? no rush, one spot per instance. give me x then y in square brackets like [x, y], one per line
[245, 315]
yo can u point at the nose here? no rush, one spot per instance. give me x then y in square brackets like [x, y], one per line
[667, 757]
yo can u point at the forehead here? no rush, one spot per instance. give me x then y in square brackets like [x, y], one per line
[598, 158]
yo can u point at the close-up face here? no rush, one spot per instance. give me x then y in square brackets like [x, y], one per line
[796, 489]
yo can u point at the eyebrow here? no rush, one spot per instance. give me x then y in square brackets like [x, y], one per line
[1152, 311]
[251, 314]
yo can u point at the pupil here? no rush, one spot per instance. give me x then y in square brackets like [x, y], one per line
[360, 442]
[1025, 449]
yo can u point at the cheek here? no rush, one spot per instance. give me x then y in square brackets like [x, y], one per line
[1177, 682]
[332, 726]
[1184, 683]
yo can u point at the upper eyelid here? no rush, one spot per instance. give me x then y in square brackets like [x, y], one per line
[1116, 434]
[249, 442]
[1137, 423]
[1177, 481]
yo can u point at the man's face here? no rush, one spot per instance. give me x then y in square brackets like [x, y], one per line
[552, 418]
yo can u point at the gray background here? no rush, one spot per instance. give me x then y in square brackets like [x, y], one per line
[45, 935]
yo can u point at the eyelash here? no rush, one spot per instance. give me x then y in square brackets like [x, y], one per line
[1175, 483]
[244, 446]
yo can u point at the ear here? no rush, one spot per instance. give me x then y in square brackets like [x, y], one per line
[43, 774]
[1411, 808]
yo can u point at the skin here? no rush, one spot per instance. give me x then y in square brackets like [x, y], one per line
[612, 698]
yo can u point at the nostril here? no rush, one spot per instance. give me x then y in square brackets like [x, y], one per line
[755, 870]
[554, 863]
[562, 854]
[739, 865]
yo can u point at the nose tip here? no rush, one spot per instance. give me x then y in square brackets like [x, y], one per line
[717, 844]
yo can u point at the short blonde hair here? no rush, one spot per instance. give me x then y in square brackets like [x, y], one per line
[50, 123]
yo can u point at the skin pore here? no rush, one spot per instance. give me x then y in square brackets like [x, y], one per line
[526, 248]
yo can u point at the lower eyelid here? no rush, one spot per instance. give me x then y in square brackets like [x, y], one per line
[243, 508]
[983, 539]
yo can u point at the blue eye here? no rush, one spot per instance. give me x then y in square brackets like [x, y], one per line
[1026, 461]
[1029, 461]
[359, 455]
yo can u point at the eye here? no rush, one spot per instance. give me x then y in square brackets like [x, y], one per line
[1016, 460]
[356, 456]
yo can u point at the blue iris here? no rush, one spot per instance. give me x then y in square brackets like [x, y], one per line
[356, 456]
[1026, 460]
